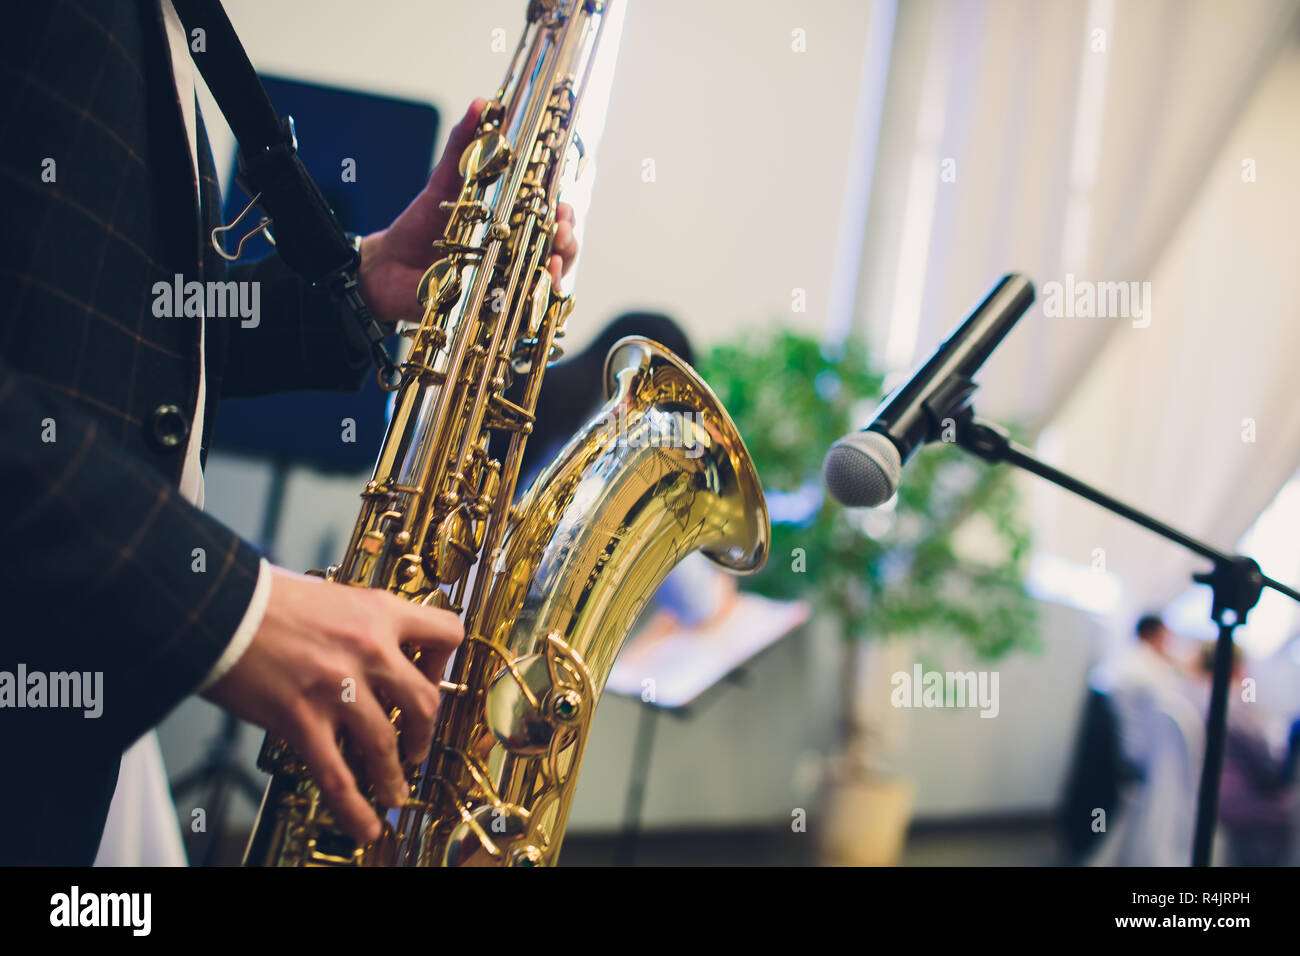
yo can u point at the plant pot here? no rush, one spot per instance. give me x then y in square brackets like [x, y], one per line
[865, 821]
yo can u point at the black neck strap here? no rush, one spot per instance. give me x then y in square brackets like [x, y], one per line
[308, 236]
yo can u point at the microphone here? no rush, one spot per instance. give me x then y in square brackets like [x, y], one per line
[862, 469]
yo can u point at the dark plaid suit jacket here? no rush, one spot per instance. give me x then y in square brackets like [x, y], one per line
[99, 565]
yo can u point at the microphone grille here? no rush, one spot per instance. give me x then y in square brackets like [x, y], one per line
[862, 470]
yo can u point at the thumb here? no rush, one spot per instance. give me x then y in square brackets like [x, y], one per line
[446, 175]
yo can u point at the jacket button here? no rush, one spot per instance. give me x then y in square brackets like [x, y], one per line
[168, 426]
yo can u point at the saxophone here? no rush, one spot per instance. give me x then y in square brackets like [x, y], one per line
[549, 585]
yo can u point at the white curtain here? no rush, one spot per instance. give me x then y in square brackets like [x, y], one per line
[1196, 417]
[1105, 141]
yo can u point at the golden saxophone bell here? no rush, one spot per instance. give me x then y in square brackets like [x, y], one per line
[660, 471]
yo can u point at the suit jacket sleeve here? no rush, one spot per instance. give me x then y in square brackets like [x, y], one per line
[302, 341]
[107, 570]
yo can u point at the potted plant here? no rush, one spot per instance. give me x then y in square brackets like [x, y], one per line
[886, 574]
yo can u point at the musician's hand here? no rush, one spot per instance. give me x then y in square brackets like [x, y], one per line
[317, 666]
[395, 259]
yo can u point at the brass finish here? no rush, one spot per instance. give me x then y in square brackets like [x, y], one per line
[441, 282]
[548, 585]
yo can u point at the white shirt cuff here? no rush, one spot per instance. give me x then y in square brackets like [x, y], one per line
[247, 627]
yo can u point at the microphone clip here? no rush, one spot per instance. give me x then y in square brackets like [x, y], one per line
[949, 404]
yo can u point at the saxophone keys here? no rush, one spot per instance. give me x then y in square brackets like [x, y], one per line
[408, 566]
[581, 149]
[563, 309]
[541, 301]
[453, 548]
[487, 496]
[469, 209]
[566, 706]
[494, 112]
[525, 710]
[485, 158]
[489, 835]
[440, 284]
[526, 856]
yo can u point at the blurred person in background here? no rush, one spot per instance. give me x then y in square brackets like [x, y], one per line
[1257, 793]
[1161, 743]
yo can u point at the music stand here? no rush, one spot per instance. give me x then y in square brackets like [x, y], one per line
[685, 669]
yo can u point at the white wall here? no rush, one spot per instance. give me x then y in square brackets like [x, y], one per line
[752, 143]
[1194, 415]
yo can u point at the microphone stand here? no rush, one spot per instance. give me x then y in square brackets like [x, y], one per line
[1236, 582]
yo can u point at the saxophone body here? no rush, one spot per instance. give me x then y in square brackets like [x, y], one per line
[550, 582]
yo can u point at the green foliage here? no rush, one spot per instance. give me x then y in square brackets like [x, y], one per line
[878, 573]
